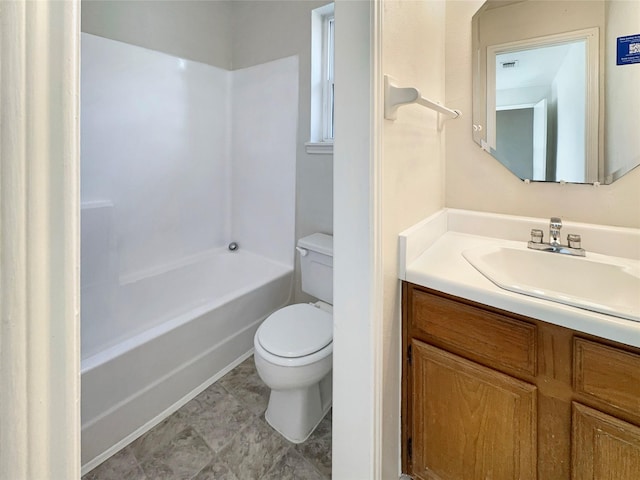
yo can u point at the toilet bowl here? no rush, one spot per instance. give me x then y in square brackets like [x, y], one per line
[293, 356]
[293, 348]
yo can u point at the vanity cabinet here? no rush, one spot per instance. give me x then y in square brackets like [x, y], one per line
[489, 394]
[471, 420]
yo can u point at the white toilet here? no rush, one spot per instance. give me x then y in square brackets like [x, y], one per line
[294, 347]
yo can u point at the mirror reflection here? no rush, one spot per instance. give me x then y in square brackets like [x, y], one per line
[540, 97]
[541, 105]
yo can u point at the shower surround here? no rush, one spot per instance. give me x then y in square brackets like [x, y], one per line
[179, 159]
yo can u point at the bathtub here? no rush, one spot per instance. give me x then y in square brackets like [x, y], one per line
[194, 322]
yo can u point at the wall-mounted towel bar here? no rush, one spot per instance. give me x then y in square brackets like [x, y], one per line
[395, 97]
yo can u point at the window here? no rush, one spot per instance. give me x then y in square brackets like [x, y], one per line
[322, 86]
[327, 94]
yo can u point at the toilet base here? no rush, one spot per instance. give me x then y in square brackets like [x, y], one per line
[295, 414]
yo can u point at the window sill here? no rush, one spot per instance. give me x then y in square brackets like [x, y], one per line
[319, 148]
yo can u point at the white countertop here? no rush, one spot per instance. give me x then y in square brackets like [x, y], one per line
[430, 256]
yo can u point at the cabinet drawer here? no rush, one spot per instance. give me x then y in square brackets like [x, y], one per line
[607, 373]
[484, 336]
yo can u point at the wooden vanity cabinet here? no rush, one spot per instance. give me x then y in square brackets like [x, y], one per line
[488, 394]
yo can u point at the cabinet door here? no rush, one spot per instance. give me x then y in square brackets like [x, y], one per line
[603, 447]
[468, 421]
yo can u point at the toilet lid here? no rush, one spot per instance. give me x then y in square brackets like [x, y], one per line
[296, 331]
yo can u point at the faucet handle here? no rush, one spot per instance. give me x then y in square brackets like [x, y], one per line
[536, 235]
[574, 241]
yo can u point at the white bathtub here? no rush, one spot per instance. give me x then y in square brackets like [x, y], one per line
[193, 323]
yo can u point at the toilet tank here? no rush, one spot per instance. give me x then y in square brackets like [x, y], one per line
[316, 263]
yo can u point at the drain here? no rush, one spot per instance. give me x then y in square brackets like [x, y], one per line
[233, 246]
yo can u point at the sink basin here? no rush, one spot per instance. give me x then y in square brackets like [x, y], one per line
[599, 283]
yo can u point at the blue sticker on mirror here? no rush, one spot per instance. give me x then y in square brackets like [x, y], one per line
[628, 50]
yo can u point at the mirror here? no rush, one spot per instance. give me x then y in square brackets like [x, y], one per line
[552, 99]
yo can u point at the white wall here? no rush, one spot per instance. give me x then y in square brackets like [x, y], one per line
[569, 87]
[412, 177]
[476, 181]
[155, 132]
[267, 30]
[522, 95]
[192, 29]
[388, 176]
[263, 158]
[357, 287]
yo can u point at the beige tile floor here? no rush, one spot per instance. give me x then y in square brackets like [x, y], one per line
[221, 434]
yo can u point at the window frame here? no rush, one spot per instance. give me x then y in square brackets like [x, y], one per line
[328, 55]
[322, 80]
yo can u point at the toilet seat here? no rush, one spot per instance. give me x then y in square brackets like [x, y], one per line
[318, 356]
[296, 331]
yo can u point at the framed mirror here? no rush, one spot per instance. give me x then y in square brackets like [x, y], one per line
[551, 101]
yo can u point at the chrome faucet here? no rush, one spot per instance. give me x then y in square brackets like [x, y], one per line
[554, 230]
[573, 246]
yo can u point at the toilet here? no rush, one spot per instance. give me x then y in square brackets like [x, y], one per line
[294, 347]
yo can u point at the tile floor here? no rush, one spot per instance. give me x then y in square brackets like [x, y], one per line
[222, 435]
